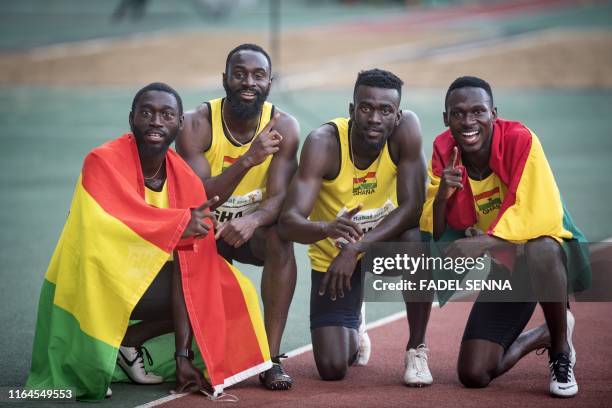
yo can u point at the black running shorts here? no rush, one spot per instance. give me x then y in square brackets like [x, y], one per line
[345, 311]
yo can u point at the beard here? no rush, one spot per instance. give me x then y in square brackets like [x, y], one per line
[244, 110]
[147, 150]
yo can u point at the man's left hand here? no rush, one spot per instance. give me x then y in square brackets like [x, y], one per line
[471, 247]
[237, 231]
[338, 276]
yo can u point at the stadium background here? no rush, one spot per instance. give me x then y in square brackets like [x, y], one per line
[69, 70]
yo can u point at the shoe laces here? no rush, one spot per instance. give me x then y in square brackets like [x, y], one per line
[140, 352]
[561, 368]
[421, 357]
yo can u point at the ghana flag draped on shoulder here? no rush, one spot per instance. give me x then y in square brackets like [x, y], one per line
[112, 246]
[532, 206]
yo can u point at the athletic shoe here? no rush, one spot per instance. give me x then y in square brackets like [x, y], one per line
[571, 321]
[417, 372]
[562, 381]
[131, 361]
[276, 378]
[365, 345]
[109, 393]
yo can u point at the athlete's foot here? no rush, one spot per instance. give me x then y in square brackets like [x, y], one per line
[417, 372]
[562, 381]
[276, 378]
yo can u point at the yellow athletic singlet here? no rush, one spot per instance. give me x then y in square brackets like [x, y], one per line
[158, 199]
[374, 188]
[224, 151]
[488, 197]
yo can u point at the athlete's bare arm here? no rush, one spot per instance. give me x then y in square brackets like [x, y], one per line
[281, 170]
[282, 167]
[318, 160]
[196, 137]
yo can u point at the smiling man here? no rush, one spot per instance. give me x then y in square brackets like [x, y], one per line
[491, 186]
[361, 180]
[244, 150]
[136, 246]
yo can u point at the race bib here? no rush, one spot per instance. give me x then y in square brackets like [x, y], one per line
[239, 206]
[367, 219]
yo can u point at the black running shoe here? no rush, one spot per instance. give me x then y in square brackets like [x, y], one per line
[276, 378]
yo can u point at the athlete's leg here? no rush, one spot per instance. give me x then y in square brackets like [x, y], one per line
[334, 326]
[277, 281]
[154, 310]
[491, 343]
[545, 262]
[417, 311]
[335, 349]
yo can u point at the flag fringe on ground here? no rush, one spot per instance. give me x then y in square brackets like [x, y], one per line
[532, 206]
[111, 248]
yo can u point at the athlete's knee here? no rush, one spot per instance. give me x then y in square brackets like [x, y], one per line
[473, 377]
[543, 251]
[331, 369]
[411, 235]
[276, 244]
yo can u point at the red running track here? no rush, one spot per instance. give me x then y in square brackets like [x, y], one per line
[380, 383]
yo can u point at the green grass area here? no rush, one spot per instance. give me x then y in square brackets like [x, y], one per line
[47, 132]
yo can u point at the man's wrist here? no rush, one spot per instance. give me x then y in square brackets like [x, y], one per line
[245, 162]
[354, 248]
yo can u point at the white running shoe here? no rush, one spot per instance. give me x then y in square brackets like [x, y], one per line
[417, 372]
[365, 345]
[131, 361]
[109, 393]
[562, 381]
[571, 321]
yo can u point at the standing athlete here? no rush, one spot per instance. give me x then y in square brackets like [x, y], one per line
[361, 180]
[244, 150]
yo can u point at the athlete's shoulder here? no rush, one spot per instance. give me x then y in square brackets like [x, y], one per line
[325, 136]
[287, 125]
[406, 138]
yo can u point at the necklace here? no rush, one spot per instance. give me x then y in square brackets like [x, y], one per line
[156, 173]
[229, 132]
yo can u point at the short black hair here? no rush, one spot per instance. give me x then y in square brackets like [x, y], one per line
[159, 86]
[378, 78]
[250, 47]
[469, 82]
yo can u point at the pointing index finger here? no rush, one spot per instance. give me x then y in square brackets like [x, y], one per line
[454, 157]
[270, 124]
[208, 204]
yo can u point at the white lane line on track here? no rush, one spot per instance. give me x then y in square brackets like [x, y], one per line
[290, 354]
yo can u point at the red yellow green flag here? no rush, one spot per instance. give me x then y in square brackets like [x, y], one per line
[111, 248]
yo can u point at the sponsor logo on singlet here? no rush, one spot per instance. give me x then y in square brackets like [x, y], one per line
[365, 185]
[488, 201]
[239, 206]
[367, 219]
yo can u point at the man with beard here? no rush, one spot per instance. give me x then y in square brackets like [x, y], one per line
[244, 150]
[135, 238]
[491, 187]
[361, 180]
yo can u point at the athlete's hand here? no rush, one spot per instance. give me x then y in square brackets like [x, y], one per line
[338, 276]
[344, 227]
[471, 247]
[451, 177]
[189, 378]
[267, 142]
[237, 231]
[198, 226]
